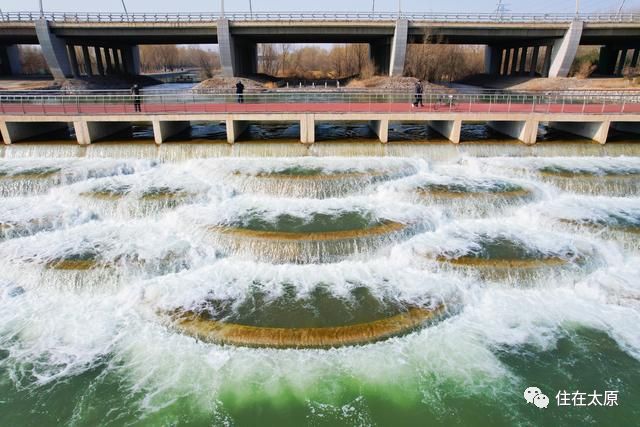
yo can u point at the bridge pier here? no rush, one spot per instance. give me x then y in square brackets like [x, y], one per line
[450, 129]
[308, 129]
[564, 50]
[99, 63]
[524, 131]
[492, 60]
[73, 58]
[163, 130]
[381, 129]
[597, 131]
[19, 131]
[10, 60]
[88, 132]
[238, 57]
[54, 51]
[131, 60]
[399, 48]
[235, 128]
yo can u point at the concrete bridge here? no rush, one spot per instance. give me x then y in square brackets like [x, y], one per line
[96, 117]
[76, 44]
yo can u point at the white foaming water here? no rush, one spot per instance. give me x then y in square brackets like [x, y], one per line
[51, 331]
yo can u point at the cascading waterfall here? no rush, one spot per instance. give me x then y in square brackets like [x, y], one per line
[211, 284]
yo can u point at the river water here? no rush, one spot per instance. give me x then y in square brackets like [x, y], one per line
[196, 283]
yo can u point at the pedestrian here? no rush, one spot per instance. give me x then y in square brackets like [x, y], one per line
[418, 95]
[240, 92]
[135, 91]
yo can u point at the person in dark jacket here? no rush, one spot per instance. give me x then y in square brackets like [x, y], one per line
[240, 92]
[418, 94]
[135, 91]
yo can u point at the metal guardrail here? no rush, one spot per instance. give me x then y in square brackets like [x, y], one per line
[325, 102]
[97, 17]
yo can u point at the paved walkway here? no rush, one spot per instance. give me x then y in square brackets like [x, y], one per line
[195, 108]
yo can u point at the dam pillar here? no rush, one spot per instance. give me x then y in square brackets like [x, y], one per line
[597, 131]
[565, 49]
[235, 128]
[308, 129]
[399, 48]
[10, 60]
[380, 128]
[163, 130]
[54, 50]
[450, 129]
[524, 131]
[89, 132]
[492, 60]
[19, 131]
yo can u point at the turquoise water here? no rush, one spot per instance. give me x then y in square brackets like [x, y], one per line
[90, 347]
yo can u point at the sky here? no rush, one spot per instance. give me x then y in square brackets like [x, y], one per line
[465, 6]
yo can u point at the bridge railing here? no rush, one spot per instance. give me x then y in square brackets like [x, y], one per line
[106, 17]
[318, 102]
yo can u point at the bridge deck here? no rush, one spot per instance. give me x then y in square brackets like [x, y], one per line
[267, 108]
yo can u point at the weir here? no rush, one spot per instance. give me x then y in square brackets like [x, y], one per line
[515, 115]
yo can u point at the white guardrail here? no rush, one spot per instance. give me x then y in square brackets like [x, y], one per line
[79, 17]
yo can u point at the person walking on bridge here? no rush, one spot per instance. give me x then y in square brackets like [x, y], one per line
[240, 92]
[135, 91]
[418, 95]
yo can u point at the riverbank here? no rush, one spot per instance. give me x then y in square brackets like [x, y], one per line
[533, 84]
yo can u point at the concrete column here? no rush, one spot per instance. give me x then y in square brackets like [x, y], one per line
[381, 128]
[308, 129]
[514, 61]
[505, 63]
[235, 128]
[87, 61]
[523, 60]
[597, 131]
[607, 60]
[89, 132]
[54, 51]
[73, 59]
[492, 60]
[245, 57]
[109, 60]
[565, 49]
[116, 60]
[534, 61]
[380, 53]
[19, 131]
[10, 60]
[163, 130]
[99, 63]
[621, 61]
[226, 49]
[131, 60]
[450, 129]
[634, 58]
[399, 48]
[524, 131]
[547, 61]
